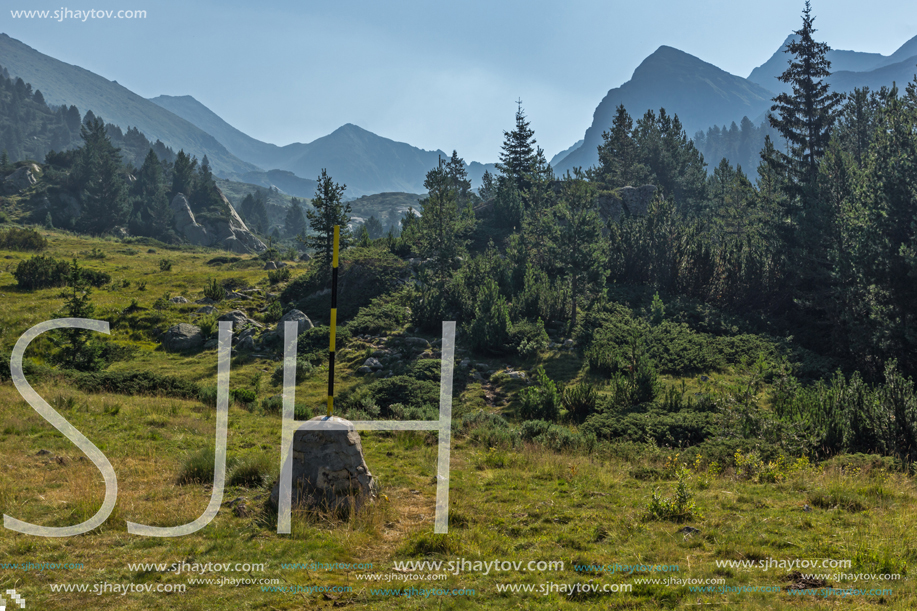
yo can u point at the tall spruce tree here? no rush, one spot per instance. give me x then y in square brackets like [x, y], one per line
[805, 116]
[328, 209]
[518, 154]
[102, 188]
[619, 161]
[443, 224]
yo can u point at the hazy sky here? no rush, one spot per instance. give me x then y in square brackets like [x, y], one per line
[438, 75]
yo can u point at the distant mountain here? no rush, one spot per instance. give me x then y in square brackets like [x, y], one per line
[849, 69]
[698, 92]
[286, 182]
[62, 83]
[560, 156]
[365, 162]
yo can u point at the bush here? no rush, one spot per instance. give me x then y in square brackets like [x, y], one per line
[245, 396]
[527, 337]
[250, 472]
[276, 276]
[274, 312]
[197, 468]
[136, 383]
[165, 265]
[303, 370]
[22, 240]
[214, 291]
[679, 508]
[312, 344]
[404, 390]
[41, 272]
[208, 325]
[542, 401]
[489, 430]
[580, 401]
[382, 315]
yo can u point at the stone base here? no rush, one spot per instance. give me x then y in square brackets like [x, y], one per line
[329, 471]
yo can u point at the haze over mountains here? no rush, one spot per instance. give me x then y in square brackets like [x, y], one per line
[700, 93]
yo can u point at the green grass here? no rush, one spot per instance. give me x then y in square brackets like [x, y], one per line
[510, 499]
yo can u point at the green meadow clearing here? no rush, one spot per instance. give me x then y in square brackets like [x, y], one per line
[512, 498]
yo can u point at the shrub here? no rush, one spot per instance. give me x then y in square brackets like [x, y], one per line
[580, 401]
[489, 430]
[214, 291]
[208, 325]
[274, 312]
[276, 276]
[41, 272]
[382, 315]
[245, 396]
[679, 508]
[272, 404]
[197, 468]
[136, 383]
[384, 393]
[22, 240]
[165, 265]
[303, 370]
[527, 337]
[541, 401]
[312, 344]
[250, 472]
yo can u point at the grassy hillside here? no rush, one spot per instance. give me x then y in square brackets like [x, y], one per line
[516, 494]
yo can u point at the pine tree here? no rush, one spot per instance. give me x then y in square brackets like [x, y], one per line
[579, 247]
[619, 162]
[76, 348]
[518, 153]
[374, 228]
[488, 188]
[328, 209]
[98, 178]
[259, 218]
[183, 175]
[458, 175]
[442, 224]
[295, 221]
[152, 215]
[805, 116]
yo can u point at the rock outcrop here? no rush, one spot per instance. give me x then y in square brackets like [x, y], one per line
[229, 233]
[20, 180]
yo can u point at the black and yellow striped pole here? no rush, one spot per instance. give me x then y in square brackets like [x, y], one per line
[334, 318]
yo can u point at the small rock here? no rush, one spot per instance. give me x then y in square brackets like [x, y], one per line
[241, 510]
[806, 508]
[42, 452]
[372, 363]
[689, 530]
[464, 364]
[211, 344]
[516, 375]
[568, 344]
[207, 309]
[246, 344]
[365, 369]
[477, 376]
[179, 299]
[270, 265]
[205, 301]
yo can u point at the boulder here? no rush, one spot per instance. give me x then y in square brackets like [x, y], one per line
[238, 319]
[183, 337]
[270, 265]
[365, 369]
[329, 470]
[304, 323]
[179, 300]
[372, 363]
[246, 344]
[20, 180]
[207, 309]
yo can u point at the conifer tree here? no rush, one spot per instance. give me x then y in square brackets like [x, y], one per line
[805, 116]
[328, 209]
[518, 153]
[98, 179]
[295, 221]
